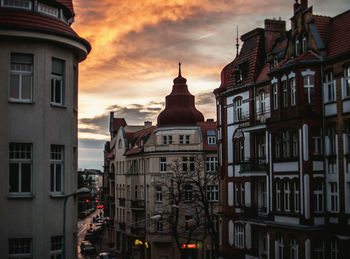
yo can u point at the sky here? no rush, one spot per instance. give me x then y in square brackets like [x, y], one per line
[136, 47]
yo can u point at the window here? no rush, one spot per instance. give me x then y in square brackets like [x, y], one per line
[294, 144]
[279, 247]
[347, 137]
[333, 187]
[239, 236]
[285, 93]
[20, 248]
[163, 164]
[238, 110]
[293, 249]
[21, 77]
[49, 10]
[188, 193]
[159, 225]
[287, 196]
[187, 139]
[165, 140]
[213, 193]
[346, 82]
[170, 139]
[242, 194]
[57, 81]
[331, 138]
[56, 247]
[181, 139]
[159, 194]
[187, 164]
[136, 192]
[296, 197]
[262, 104]
[297, 45]
[278, 196]
[20, 176]
[285, 144]
[317, 141]
[304, 43]
[277, 145]
[128, 192]
[309, 90]
[318, 197]
[320, 251]
[236, 193]
[142, 190]
[292, 91]
[56, 168]
[212, 164]
[238, 145]
[329, 87]
[23, 4]
[332, 168]
[334, 249]
[188, 222]
[275, 96]
[211, 140]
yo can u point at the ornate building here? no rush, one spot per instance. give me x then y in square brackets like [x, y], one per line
[283, 134]
[141, 161]
[39, 57]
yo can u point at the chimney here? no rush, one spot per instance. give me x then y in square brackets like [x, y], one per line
[111, 121]
[274, 30]
[303, 5]
[296, 6]
[148, 124]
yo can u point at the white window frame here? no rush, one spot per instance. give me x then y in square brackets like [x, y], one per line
[292, 91]
[165, 140]
[16, 153]
[188, 193]
[279, 249]
[294, 249]
[275, 96]
[170, 139]
[21, 4]
[307, 75]
[296, 197]
[278, 196]
[287, 192]
[181, 139]
[56, 162]
[57, 80]
[334, 249]
[212, 164]
[262, 102]
[318, 197]
[346, 83]
[20, 248]
[159, 226]
[48, 10]
[236, 186]
[21, 70]
[211, 140]
[213, 193]
[304, 43]
[187, 139]
[242, 189]
[329, 88]
[297, 45]
[238, 110]
[162, 164]
[333, 197]
[285, 93]
[159, 194]
[239, 236]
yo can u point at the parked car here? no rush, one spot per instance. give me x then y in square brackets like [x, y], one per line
[105, 256]
[87, 247]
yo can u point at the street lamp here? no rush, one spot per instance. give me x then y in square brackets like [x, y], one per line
[66, 197]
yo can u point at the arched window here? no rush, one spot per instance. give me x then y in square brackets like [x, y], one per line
[120, 144]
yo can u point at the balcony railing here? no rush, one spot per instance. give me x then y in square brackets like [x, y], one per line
[137, 204]
[253, 165]
[122, 202]
[254, 212]
[254, 118]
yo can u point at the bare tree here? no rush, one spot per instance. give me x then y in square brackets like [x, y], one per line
[190, 212]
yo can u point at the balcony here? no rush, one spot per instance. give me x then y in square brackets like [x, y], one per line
[249, 120]
[138, 204]
[254, 212]
[121, 202]
[253, 165]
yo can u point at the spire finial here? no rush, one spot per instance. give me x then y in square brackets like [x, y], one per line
[237, 44]
[179, 68]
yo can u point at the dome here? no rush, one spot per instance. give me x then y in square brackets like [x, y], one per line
[179, 106]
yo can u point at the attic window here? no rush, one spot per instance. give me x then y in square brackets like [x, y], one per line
[49, 10]
[275, 61]
[304, 43]
[297, 45]
[23, 4]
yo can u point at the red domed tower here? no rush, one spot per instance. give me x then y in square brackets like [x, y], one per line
[179, 106]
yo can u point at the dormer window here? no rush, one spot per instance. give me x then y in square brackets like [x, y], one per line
[304, 43]
[297, 45]
[239, 75]
[23, 4]
[48, 10]
[275, 61]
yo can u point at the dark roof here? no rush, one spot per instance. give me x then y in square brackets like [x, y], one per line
[207, 126]
[68, 4]
[135, 138]
[117, 123]
[26, 20]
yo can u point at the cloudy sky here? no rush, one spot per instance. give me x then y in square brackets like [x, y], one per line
[136, 47]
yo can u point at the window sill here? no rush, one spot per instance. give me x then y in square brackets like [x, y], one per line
[20, 196]
[330, 102]
[20, 101]
[62, 106]
[57, 195]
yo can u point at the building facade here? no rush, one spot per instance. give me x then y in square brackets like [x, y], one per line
[283, 116]
[39, 55]
[142, 160]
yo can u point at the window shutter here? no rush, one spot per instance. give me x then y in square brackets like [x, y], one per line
[248, 236]
[325, 93]
[247, 193]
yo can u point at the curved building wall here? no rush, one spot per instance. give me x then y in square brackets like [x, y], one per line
[40, 135]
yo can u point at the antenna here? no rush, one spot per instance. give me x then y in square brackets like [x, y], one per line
[179, 68]
[237, 44]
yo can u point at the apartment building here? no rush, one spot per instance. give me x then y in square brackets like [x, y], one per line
[39, 57]
[283, 135]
